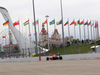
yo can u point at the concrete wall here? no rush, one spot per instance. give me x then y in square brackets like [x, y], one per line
[98, 50]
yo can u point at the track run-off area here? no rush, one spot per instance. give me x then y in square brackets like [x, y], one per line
[74, 64]
[55, 67]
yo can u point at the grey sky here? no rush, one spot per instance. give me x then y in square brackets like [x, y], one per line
[72, 9]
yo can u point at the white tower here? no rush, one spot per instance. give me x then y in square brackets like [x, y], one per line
[25, 43]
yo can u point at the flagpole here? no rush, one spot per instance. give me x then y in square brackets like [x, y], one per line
[62, 26]
[55, 38]
[26, 28]
[22, 41]
[9, 43]
[80, 37]
[55, 35]
[85, 39]
[74, 30]
[29, 38]
[19, 32]
[89, 28]
[80, 30]
[84, 31]
[88, 31]
[39, 36]
[91, 32]
[47, 31]
[42, 43]
[94, 37]
[94, 32]
[24, 34]
[69, 35]
[98, 29]
[32, 32]
[35, 27]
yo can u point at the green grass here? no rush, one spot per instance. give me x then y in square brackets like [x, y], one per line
[75, 50]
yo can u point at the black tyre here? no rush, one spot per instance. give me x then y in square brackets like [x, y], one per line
[60, 58]
[53, 58]
[47, 58]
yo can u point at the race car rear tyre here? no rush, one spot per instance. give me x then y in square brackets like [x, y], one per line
[60, 58]
[47, 58]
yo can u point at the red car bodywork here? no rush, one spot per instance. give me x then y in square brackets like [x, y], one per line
[54, 57]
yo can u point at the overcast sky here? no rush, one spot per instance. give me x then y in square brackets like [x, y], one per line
[72, 9]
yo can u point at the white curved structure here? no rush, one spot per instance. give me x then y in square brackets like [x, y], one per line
[24, 43]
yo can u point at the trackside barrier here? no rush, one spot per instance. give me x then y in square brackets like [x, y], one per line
[65, 57]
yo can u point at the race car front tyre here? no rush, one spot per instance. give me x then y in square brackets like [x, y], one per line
[47, 58]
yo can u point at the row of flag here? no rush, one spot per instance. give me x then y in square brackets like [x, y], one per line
[5, 36]
[75, 23]
[58, 23]
[17, 23]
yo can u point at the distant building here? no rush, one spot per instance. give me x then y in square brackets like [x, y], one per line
[12, 48]
[68, 39]
[43, 37]
[55, 38]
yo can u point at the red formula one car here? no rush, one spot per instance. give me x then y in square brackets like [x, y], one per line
[54, 57]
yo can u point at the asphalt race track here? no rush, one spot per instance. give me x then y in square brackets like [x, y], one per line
[56, 67]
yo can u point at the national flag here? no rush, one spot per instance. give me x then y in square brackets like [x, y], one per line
[44, 23]
[29, 35]
[6, 23]
[77, 22]
[96, 24]
[52, 22]
[36, 22]
[82, 22]
[3, 36]
[89, 23]
[72, 22]
[86, 23]
[35, 34]
[92, 24]
[16, 23]
[66, 23]
[26, 23]
[40, 33]
[59, 22]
